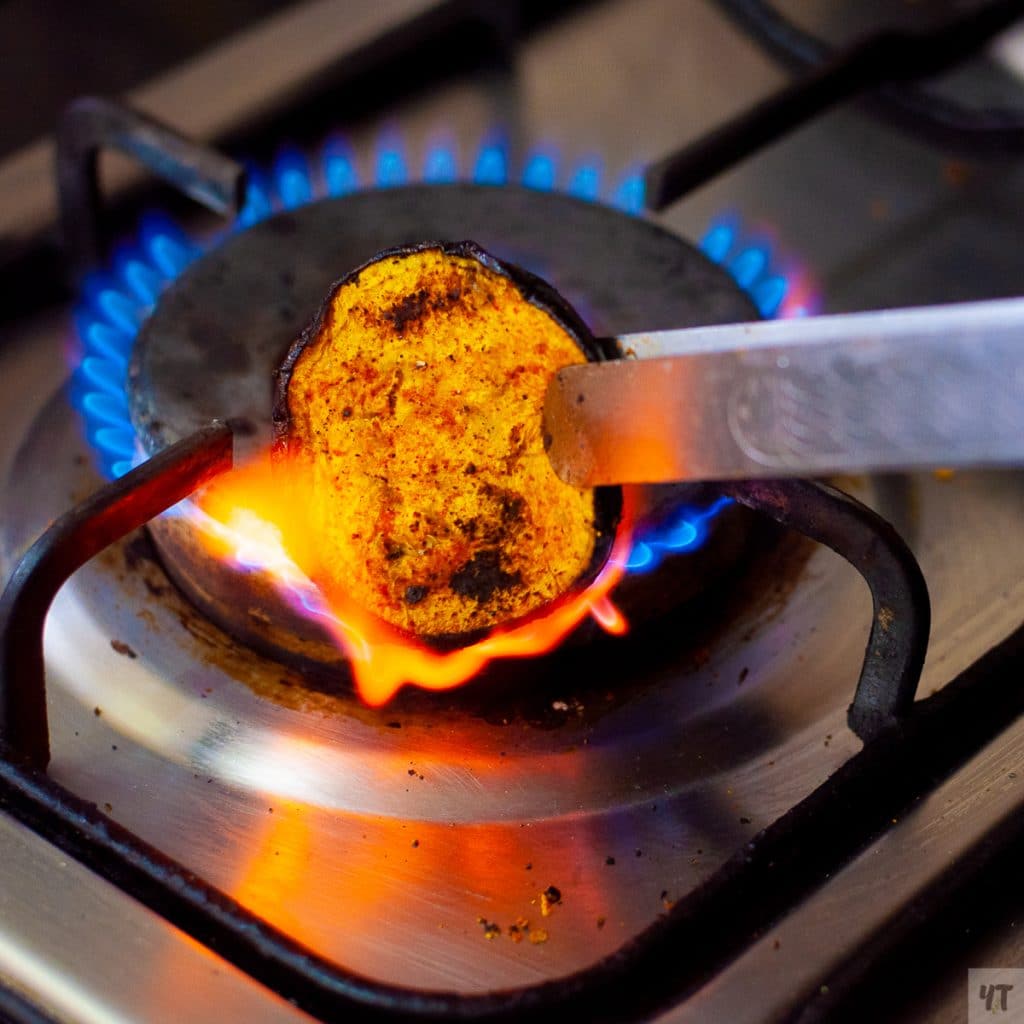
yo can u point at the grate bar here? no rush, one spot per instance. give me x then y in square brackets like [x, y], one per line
[881, 58]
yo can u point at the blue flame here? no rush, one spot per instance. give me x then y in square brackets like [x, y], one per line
[339, 164]
[440, 166]
[491, 167]
[115, 305]
[540, 172]
[685, 530]
[752, 263]
[258, 203]
[293, 178]
[631, 194]
[585, 182]
[392, 169]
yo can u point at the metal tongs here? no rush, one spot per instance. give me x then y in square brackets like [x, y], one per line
[900, 389]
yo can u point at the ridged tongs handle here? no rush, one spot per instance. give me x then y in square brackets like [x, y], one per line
[937, 386]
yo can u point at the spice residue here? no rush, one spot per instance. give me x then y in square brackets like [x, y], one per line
[549, 899]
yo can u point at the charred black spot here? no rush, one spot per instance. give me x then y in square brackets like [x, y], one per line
[511, 507]
[467, 527]
[407, 310]
[392, 552]
[470, 469]
[482, 576]
[346, 412]
[413, 595]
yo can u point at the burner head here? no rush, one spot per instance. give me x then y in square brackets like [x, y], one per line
[209, 349]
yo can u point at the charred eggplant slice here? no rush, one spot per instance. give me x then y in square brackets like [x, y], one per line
[413, 402]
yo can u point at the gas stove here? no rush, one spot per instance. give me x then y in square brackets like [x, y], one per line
[731, 813]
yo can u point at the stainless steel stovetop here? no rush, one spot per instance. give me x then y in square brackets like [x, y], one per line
[383, 847]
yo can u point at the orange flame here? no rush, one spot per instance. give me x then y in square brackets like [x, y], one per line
[255, 515]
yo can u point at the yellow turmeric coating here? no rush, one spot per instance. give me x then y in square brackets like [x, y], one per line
[416, 404]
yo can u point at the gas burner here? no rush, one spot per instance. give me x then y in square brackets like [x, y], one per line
[297, 228]
[210, 347]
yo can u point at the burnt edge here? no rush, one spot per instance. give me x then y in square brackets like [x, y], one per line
[538, 292]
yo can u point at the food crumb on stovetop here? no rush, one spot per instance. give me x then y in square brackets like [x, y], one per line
[122, 648]
[520, 929]
[549, 898]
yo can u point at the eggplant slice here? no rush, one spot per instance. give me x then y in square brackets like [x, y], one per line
[413, 405]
